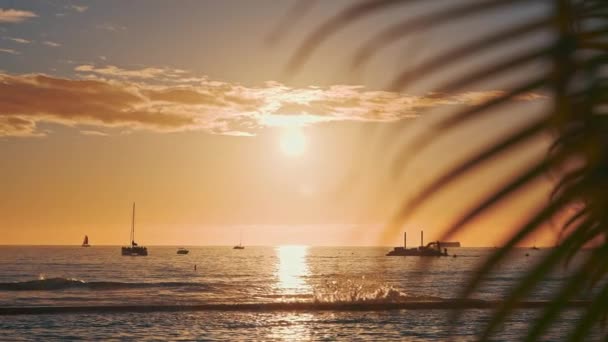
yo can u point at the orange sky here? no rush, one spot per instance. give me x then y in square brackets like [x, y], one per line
[197, 122]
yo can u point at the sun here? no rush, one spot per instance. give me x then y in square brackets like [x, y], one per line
[293, 142]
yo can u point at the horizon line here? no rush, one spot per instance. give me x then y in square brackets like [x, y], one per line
[277, 245]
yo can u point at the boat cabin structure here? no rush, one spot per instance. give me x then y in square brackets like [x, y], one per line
[434, 248]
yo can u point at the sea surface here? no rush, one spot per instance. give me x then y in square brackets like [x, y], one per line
[259, 293]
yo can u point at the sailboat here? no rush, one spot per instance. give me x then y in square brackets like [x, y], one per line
[85, 242]
[240, 245]
[134, 249]
[534, 246]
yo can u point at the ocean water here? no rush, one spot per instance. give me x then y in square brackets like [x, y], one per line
[259, 293]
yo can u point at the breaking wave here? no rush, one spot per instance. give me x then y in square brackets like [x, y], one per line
[362, 290]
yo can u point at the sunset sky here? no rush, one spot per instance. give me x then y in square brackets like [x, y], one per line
[187, 108]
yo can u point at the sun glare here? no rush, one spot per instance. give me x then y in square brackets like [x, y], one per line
[292, 269]
[293, 142]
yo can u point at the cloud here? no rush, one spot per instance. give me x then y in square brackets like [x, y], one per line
[18, 40]
[130, 100]
[110, 27]
[10, 51]
[17, 126]
[93, 133]
[51, 44]
[145, 73]
[79, 9]
[15, 16]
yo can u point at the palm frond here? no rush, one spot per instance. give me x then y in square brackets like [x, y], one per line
[348, 16]
[438, 62]
[594, 312]
[440, 17]
[522, 136]
[538, 274]
[567, 292]
[460, 118]
[574, 54]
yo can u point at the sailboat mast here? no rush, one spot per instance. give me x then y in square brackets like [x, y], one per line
[133, 225]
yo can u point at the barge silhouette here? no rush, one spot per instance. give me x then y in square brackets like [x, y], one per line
[431, 249]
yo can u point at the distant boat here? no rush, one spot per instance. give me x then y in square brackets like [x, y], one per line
[431, 249]
[534, 246]
[85, 242]
[182, 251]
[134, 249]
[240, 245]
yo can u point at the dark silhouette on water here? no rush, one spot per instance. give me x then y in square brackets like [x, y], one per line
[134, 249]
[534, 247]
[182, 251]
[240, 245]
[431, 249]
[85, 242]
[450, 244]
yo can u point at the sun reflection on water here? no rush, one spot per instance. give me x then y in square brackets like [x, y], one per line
[292, 269]
[290, 326]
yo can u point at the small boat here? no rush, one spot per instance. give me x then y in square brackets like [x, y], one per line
[240, 245]
[534, 246]
[134, 249]
[182, 251]
[85, 243]
[431, 249]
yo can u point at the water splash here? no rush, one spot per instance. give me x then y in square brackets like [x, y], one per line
[360, 290]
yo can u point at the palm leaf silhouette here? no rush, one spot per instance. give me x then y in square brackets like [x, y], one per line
[575, 82]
